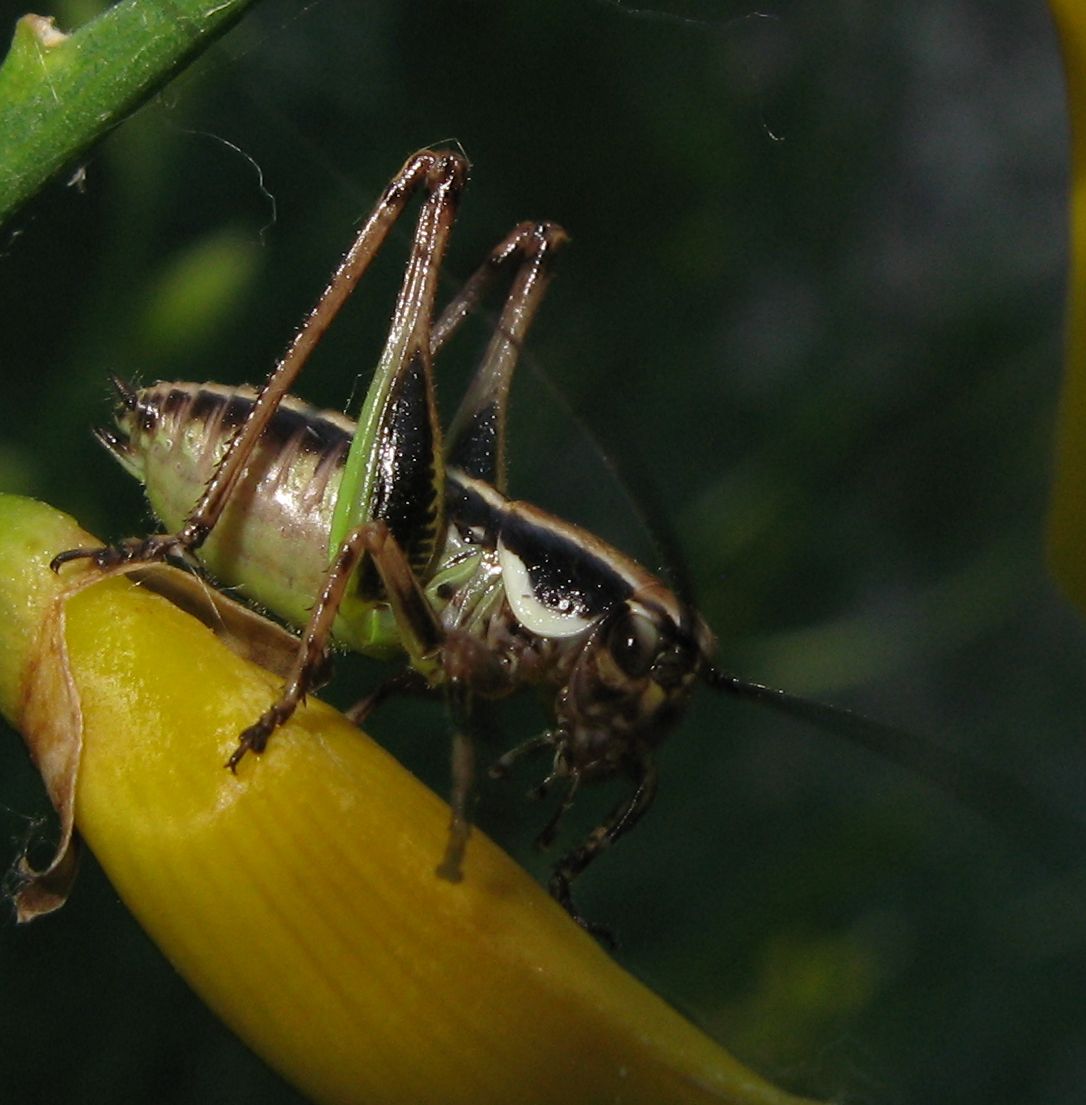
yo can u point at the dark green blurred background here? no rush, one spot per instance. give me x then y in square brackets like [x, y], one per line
[811, 315]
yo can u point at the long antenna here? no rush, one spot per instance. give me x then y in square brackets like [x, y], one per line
[1001, 799]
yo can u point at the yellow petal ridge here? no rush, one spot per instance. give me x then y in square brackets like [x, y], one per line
[1067, 522]
[299, 897]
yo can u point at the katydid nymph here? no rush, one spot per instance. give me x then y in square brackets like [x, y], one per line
[395, 538]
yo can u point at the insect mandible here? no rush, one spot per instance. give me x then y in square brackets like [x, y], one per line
[392, 537]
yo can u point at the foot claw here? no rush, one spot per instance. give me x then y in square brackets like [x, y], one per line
[559, 888]
[136, 550]
[449, 872]
[253, 739]
[601, 932]
[107, 556]
[68, 555]
[451, 867]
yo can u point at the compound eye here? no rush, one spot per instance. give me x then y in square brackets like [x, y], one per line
[634, 642]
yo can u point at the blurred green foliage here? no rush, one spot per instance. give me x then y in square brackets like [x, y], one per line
[808, 327]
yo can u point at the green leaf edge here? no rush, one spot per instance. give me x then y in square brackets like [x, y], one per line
[60, 93]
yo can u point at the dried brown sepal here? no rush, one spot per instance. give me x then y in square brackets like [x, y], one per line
[47, 708]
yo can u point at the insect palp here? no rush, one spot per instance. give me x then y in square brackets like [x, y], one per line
[502, 766]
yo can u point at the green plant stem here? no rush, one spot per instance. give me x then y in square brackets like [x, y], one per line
[60, 93]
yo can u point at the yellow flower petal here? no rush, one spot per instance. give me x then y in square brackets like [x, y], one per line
[1067, 526]
[299, 898]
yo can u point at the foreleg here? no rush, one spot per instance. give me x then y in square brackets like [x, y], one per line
[620, 821]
